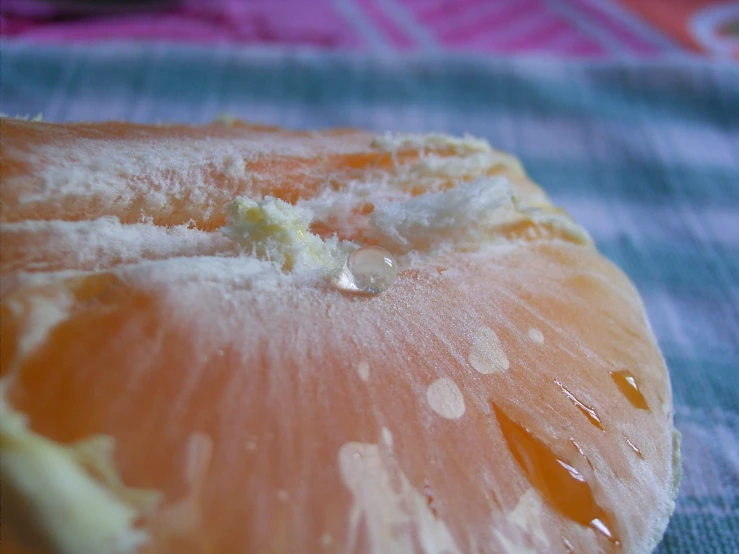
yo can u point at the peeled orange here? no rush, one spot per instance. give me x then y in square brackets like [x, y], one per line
[184, 370]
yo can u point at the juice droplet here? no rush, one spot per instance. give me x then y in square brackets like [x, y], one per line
[561, 485]
[626, 383]
[585, 409]
[634, 448]
[368, 270]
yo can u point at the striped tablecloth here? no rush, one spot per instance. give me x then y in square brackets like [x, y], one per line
[645, 155]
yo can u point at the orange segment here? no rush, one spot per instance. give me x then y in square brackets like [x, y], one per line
[277, 414]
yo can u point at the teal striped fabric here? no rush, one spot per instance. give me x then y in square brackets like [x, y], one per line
[645, 155]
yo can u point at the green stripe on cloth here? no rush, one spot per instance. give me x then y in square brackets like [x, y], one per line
[537, 87]
[701, 381]
[648, 181]
[542, 88]
[678, 268]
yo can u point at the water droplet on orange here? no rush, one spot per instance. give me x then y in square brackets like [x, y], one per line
[369, 270]
[562, 486]
[584, 408]
[626, 383]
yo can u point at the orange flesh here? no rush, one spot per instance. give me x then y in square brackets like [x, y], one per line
[271, 409]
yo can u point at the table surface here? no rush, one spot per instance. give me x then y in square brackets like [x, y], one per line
[644, 154]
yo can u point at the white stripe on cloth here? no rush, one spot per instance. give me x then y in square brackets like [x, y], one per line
[611, 44]
[354, 16]
[398, 12]
[620, 218]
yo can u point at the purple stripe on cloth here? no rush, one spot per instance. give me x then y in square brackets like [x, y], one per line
[483, 27]
[575, 45]
[523, 31]
[286, 22]
[459, 18]
[537, 37]
[434, 12]
[174, 27]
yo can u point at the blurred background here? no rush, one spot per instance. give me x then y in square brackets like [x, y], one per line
[585, 28]
[626, 111]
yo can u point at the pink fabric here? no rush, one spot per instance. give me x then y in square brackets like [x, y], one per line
[486, 26]
[203, 21]
[494, 26]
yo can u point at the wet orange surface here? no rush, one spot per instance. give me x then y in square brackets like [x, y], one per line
[232, 392]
